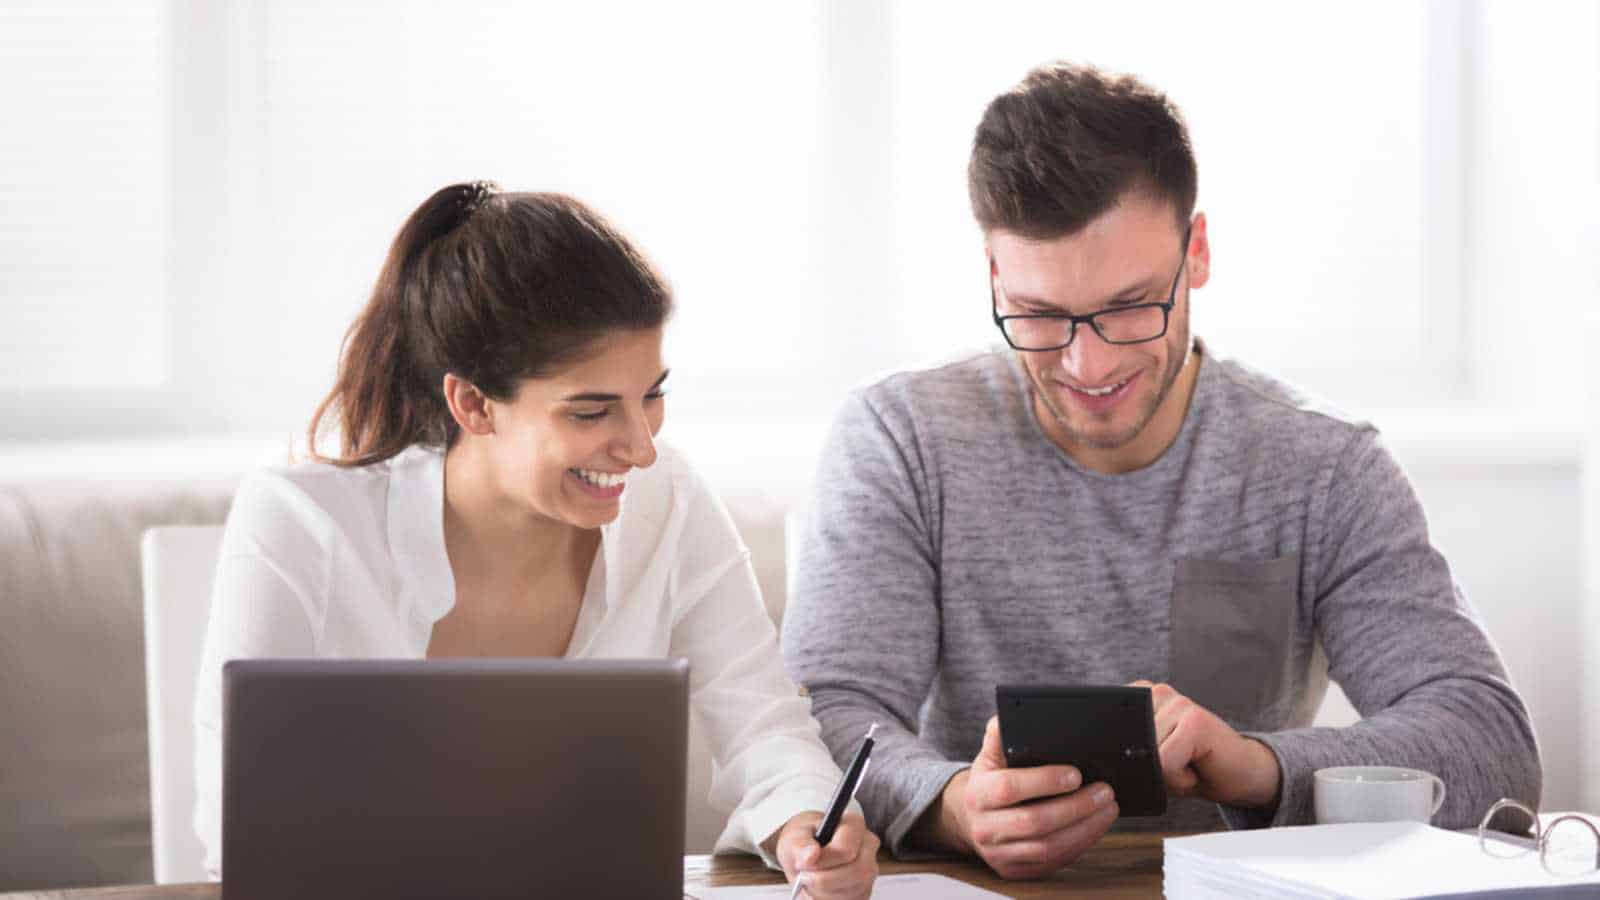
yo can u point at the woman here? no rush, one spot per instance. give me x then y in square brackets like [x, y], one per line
[499, 493]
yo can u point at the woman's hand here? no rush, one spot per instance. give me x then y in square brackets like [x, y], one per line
[843, 870]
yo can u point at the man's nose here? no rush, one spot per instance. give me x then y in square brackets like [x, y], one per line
[1089, 361]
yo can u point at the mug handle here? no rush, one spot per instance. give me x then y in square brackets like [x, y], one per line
[1438, 795]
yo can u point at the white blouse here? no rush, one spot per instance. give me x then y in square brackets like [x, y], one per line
[329, 562]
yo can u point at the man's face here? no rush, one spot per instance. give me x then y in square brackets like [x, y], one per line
[1112, 406]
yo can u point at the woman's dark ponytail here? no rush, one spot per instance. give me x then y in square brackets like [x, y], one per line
[492, 287]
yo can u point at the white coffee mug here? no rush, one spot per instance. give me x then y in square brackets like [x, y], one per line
[1376, 794]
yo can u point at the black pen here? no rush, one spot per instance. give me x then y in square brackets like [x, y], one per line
[842, 797]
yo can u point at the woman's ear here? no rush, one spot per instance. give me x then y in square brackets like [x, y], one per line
[468, 406]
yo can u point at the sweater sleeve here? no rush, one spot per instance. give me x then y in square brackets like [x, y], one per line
[862, 629]
[1408, 651]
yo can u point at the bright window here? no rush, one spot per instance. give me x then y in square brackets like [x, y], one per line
[83, 158]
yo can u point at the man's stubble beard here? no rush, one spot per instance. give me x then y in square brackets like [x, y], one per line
[1175, 366]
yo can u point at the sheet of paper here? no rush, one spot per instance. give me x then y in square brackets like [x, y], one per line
[912, 886]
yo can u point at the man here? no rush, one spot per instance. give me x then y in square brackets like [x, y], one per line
[1106, 501]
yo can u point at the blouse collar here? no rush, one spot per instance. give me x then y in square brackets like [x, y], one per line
[416, 532]
[416, 544]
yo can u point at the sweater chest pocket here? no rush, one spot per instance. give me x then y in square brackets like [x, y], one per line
[1233, 634]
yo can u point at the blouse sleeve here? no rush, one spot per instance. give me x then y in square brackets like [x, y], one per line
[266, 588]
[770, 762]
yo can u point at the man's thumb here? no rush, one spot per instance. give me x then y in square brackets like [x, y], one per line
[991, 756]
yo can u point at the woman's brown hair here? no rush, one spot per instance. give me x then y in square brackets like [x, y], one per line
[491, 287]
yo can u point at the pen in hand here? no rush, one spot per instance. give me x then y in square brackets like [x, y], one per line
[841, 799]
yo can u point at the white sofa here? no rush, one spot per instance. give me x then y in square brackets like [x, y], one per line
[74, 776]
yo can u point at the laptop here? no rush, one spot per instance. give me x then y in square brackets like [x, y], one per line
[453, 778]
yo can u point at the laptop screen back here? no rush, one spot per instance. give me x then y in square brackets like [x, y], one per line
[446, 778]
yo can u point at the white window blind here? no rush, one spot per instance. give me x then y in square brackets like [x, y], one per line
[196, 197]
[82, 195]
[693, 128]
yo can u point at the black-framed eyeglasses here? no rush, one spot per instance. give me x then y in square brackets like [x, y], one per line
[1132, 324]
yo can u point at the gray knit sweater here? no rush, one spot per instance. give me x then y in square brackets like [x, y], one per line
[1275, 545]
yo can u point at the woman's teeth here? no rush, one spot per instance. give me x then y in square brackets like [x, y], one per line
[599, 479]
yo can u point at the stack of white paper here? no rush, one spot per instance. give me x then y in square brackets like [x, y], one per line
[1366, 861]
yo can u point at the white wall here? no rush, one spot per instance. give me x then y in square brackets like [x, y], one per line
[1532, 236]
[1587, 694]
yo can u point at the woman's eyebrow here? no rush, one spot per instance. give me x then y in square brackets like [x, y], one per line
[591, 397]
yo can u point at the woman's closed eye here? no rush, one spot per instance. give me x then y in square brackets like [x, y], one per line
[595, 415]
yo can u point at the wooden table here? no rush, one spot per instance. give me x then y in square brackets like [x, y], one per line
[1120, 867]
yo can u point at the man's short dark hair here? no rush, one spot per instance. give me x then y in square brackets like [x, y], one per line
[1062, 147]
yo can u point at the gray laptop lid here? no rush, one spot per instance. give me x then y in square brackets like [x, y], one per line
[453, 778]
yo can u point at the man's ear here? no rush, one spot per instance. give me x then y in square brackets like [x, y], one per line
[468, 406]
[1199, 251]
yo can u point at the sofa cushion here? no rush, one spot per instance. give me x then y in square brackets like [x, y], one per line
[74, 778]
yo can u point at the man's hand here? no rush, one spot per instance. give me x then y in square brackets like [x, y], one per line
[1025, 823]
[1202, 756]
[843, 870]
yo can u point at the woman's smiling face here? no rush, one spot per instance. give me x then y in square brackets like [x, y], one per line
[565, 443]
